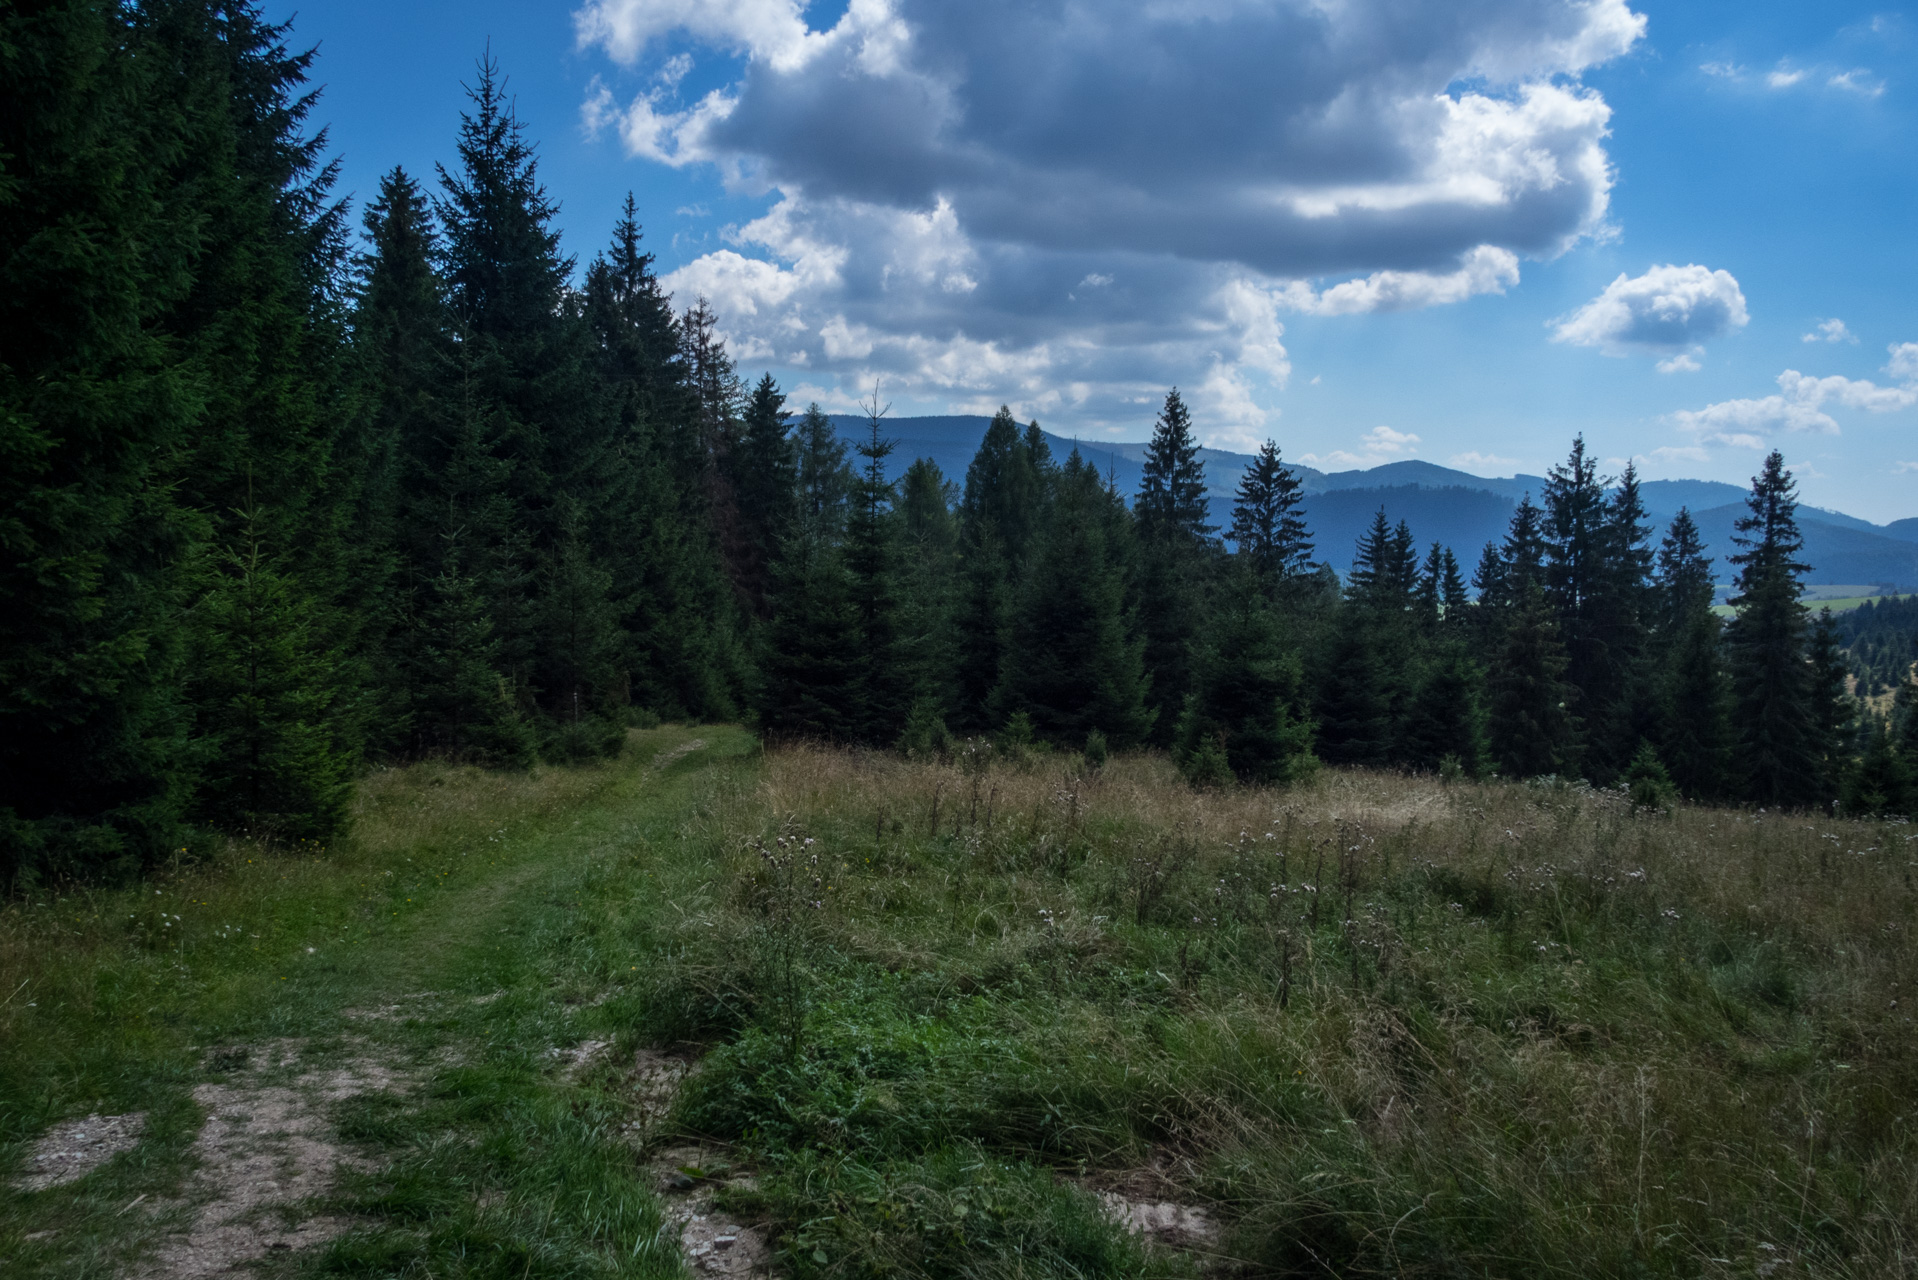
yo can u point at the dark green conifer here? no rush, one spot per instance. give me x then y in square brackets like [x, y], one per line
[1533, 728]
[95, 413]
[1247, 694]
[1073, 662]
[765, 483]
[883, 692]
[1176, 554]
[276, 766]
[1003, 509]
[1268, 524]
[810, 671]
[1779, 752]
[928, 533]
[681, 655]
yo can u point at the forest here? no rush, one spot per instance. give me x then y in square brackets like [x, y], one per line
[290, 493]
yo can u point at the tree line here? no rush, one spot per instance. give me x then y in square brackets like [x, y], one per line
[281, 501]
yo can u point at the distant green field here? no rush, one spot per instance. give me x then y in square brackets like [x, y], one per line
[1837, 604]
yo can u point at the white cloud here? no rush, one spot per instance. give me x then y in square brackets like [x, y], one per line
[1859, 81]
[1486, 269]
[1379, 445]
[1801, 402]
[1903, 365]
[1345, 158]
[1476, 461]
[773, 30]
[1670, 310]
[1832, 330]
[1682, 363]
[1904, 468]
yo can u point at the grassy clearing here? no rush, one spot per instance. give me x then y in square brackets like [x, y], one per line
[440, 944]
[1380, 1025]
[1372, 1024]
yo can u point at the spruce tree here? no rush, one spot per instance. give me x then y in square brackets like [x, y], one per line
[403, 359]
[1371, 665]
[1073, 662]
[681, 654]
[883, 692]
[1532, 722]
[1003, 509]
[1596, 564]
[1533, 728]
[764, 480]
[261, 328]
[1692, 720]
[1779, 752]
[276, 766]
[1834, 710]
[716, 398]
[1268, 524]
[825, 477]
[1247, 694]
[1176, 549]
[96, 411]
[506, 279]
[1352, 703]
[810, 668]
[1445, 717]
[928, 534]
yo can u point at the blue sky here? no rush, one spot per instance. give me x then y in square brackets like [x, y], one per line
[1384, 229]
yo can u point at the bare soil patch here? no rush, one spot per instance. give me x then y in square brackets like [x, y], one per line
[266, 1151]
[68, 1152]
[715, 1243]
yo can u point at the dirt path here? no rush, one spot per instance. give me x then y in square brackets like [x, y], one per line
[266, 1153]
[269, 1168]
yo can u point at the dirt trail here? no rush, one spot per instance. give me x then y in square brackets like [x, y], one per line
[268, 1153]
[265, 1152]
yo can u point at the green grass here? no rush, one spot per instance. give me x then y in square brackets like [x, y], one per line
[1374, 1025]
[1378, 1025]
[457, 883]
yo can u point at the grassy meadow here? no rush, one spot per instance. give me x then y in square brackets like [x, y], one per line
[1369, 1024]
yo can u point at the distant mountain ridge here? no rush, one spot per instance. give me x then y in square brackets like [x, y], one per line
[1455, 508]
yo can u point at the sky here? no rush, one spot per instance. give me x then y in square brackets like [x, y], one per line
[1368, 230]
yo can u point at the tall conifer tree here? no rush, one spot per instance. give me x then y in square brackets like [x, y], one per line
[1073, 661]
[1693, 701]
[1268, 522]
[1780, 756]
[95, 415]
[1176, 550]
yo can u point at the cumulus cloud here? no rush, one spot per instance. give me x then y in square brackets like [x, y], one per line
[1485, 269]
[1160, 180]
[1801, 403]
[1832, 330]
[1380, 444]
[1670, 311]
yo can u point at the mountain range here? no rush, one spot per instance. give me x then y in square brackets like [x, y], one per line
[1455, 508]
